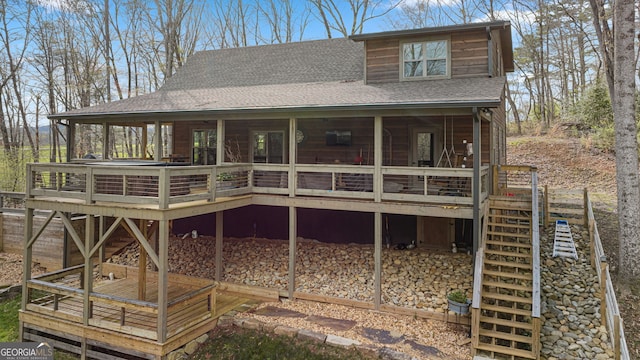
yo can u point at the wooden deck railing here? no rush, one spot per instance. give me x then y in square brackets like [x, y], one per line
[58, 295]
[163, 186]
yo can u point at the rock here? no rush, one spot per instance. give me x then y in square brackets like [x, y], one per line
[341, 341]
[311, 335]
[177, 355]
[202, 338]
[285, 330]
[191, 347]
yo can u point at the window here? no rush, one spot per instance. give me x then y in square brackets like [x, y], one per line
[425, 59]
[268, 147]
[204, 147]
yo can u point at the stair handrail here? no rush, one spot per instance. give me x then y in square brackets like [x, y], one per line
[479, 261]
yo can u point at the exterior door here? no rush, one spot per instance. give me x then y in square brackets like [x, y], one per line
[268, 147]
[424, 147]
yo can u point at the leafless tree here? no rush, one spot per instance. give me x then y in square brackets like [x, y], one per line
[333, 17]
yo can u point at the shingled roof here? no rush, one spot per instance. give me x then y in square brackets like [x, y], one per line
[311, 75]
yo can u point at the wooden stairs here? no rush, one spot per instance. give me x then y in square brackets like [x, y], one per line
[504, 326]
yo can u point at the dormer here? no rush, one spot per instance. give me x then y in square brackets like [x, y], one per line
[470, 50]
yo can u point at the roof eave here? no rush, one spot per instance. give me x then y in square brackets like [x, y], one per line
[431, 30]
[298, 109]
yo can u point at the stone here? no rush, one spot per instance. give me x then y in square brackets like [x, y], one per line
[285, 330]
[191, 347]
[177, 355]
[252, 324]
[311, 335]
[389, 354]
[202, 338]
[340, 341]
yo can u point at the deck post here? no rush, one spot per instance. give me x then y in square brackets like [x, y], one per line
[377, 159]
[142, 265]
[144, 140]
[163, 279]
[475, 191]
[26, 262]
[219, 243]
[101, 254]
[89, 235]
[293, 230]
[105, 140]
[377, 254]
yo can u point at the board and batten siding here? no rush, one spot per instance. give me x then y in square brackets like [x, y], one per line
[469, 56]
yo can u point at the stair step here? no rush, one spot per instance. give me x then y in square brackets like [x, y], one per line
[507, 286]
[507, 253]
[520, 276]
[505, 350]
[506, 336]
[506, 243]
[508, 264]
[497, 296]
[509, 225]
[508, 234]
[506, 310]
[504, 322]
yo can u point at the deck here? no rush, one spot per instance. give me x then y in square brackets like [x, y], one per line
[88, 188]
[117, 316]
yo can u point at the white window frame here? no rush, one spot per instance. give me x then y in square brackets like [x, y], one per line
[424, 59]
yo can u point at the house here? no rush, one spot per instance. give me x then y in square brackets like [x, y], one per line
[400, 126]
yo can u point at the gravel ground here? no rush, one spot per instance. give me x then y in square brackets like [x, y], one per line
[11, 269]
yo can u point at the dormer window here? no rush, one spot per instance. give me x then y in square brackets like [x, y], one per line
[428, 59]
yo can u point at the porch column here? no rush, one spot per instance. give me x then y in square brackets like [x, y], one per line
[163, 279]
[89, 235]
[219, 240]
[157, 141]
[71, 140]
[293, 124]
[26, 261]
[142, 263]
[105, 140]
[293, 230]
[377, 158]
[377, 276]
[477, 228]
[219, 142]
[144, 141]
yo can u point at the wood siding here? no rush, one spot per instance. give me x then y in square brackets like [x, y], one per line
[469, 56]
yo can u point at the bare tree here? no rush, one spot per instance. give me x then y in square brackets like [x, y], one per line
[626, 140]
[332, 16]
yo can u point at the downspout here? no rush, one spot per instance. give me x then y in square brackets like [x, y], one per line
[475, 191]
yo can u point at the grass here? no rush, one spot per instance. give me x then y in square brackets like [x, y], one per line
[9, 320]
[242, 344]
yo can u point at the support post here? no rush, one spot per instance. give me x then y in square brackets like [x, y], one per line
[144, 141]
[547, 217]
[377, 254]
[219, 142]
[293, 124]
[142, 264]
[603, 288]
[293, 230]
[586, 207]
[219, 243]
[592, 247]
[89, 235]
[617, 325]
[26, 260]
[163, 279]
[101, 254]
[157, 141]
[105, 140]
[496, 179]
[377, 159]
[475, 191]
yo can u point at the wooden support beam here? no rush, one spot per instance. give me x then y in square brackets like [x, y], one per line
[89, 236]
[157, 141]
[105, 141]
[377, 254]
[219, 142]
[377, 159]
[142, 265]
[293, 230]
[475, 188]
[144, 141]
[163, 279]
[100, 244]
[143, 241]
[219, 243]
[26, 262]
[104, 235]
[35, 236]
[293, 124]
[603, 289]
[72, 232]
